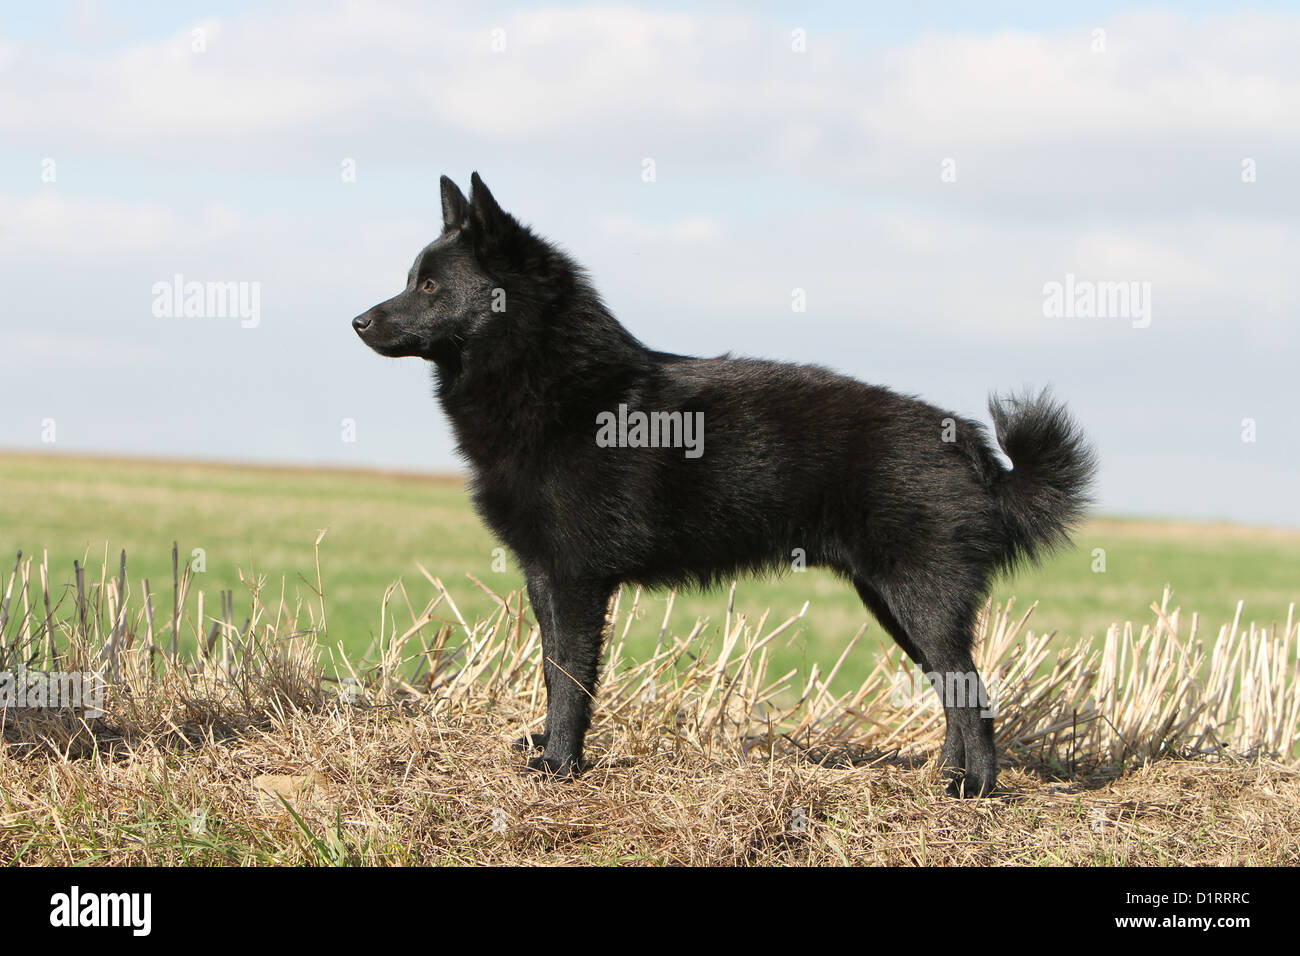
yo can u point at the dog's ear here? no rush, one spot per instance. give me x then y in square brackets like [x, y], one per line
[491, 219]
[498, 237]
[454, 206]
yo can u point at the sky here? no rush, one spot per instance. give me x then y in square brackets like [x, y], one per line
[945, 198]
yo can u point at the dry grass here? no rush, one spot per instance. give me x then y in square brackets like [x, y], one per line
[267, 747]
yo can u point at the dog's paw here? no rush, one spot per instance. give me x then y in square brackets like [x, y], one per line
[970, 784]
[531, 742]
[564, 768]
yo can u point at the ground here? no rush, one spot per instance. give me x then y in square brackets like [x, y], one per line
[380, 787]
[317, 713]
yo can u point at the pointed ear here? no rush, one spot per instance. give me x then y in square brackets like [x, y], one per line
[454, 206]
[485, 210]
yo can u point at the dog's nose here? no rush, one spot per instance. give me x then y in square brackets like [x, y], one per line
[361, 322]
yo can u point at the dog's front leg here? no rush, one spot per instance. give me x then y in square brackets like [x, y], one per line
[571, 657]
[539, 596]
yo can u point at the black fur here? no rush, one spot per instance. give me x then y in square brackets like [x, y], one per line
[908, 502]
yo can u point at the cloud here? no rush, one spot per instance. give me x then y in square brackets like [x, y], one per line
[776, 170]
[51, 222]
[1014, 89]
[81, 230]
[693, 230]
[643, 82]
[57, 353]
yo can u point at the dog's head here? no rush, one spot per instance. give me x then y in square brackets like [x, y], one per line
[459, 287]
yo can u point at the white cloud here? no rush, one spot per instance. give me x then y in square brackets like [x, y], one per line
[703, 87]
[59, 353]
[693, 230]
[1160, 72]
[54, 223]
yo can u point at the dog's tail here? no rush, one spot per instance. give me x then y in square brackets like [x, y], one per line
[1046, 492]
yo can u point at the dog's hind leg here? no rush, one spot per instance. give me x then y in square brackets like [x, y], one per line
[880, 611]
[938, 635]
[969, 757]
[954, 748]
[573, 626]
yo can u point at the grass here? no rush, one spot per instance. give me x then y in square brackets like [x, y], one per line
[264, 521]
[1165, 743]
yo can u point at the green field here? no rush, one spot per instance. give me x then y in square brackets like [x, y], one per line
[381, 525]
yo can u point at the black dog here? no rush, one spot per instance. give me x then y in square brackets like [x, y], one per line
[590, 462]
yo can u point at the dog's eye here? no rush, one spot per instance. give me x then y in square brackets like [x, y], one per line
[429, 286]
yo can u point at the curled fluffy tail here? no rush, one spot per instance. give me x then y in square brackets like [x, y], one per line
[1046, 491]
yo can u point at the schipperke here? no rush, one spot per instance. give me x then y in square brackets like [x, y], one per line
[600, 461]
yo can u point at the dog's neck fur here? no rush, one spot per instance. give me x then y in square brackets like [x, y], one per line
[562, 325]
